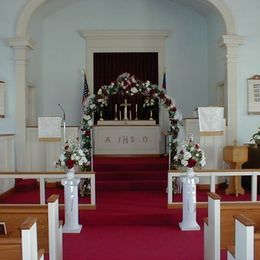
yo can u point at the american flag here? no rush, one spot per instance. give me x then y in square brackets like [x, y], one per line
[85, 90]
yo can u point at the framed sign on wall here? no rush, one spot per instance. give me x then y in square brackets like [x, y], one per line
[2, 99]
[253, 85]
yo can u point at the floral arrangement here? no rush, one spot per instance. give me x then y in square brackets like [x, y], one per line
[256, 136]
[72, 156]
[128, 85]
[190, 155]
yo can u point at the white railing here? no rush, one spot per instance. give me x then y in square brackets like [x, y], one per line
[217, 173]
[42, 176]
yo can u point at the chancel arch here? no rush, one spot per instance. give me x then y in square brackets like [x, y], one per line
[22, 44]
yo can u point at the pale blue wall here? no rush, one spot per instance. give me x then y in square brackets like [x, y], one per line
[216, 55]
[247, 20]
[9, 10]
[63, 50]
[162, 15]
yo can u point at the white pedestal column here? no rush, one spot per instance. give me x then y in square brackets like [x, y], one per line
[71, 205]
[189, 204]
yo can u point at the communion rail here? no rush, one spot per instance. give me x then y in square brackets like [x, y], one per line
[213, 174]
[43, 176]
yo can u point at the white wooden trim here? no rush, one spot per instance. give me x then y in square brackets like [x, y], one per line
[123, 41]
[213, 174]
[42, 177]
[244, 241]
[29, 243]
[53, 227]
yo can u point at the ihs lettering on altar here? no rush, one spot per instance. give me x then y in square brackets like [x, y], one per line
[126, 139]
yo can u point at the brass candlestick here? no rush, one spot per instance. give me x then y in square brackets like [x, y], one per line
[101, 116]
[151, 115]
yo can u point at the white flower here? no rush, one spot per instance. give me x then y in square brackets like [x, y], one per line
[87, 117]
[81, 152]
[184, 162]
[187, 155]
[134, 90]
[99, 91]
[92, 106]
[90, 122]
[202, 162]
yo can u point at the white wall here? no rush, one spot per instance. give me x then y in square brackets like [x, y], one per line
[216, 55]
[9, 10]
[63, 50]
[247, 20]
[158, 15]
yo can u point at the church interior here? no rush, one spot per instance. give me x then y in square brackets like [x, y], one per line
[129, 129]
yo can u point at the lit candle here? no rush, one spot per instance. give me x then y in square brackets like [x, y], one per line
[135, 107]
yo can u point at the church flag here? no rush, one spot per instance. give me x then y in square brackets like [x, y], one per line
[164, 81]
[85, 90]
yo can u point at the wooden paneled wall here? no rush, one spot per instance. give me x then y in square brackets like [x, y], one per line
[7, 161]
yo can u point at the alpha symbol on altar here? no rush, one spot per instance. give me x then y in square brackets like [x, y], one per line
[125, 105]
[108, 140]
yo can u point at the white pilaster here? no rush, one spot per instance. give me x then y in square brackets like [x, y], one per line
[231, 43]
[21, 46]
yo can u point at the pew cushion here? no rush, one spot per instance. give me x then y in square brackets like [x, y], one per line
[25, 184]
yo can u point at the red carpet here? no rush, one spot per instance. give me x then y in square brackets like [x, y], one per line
[133, 223]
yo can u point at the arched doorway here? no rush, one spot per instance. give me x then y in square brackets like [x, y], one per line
[21, 43]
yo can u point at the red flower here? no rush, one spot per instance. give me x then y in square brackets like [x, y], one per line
[191, 163]
[66, 147]
[87, 133]
[162, 95]
[70, 163]
[173, 109]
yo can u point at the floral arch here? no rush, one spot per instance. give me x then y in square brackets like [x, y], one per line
[127, 85]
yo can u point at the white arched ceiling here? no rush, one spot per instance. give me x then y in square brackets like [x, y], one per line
[200, 5]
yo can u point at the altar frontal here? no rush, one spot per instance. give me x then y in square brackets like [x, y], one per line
[128, 139]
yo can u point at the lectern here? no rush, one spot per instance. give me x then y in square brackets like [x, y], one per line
[235, 156]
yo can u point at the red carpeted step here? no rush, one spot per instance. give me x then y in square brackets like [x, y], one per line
[25, 184]
[130, 163]
[147, 185]
[131, 175]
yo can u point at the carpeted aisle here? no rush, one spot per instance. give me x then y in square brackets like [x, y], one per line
[131, 220]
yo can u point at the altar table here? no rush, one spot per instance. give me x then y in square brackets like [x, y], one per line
[126, 139]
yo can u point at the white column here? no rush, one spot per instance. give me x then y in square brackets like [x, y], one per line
[21, 47]
[71, 205]
[189, 204]
[231, 43]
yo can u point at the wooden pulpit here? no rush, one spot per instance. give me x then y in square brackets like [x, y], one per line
[235, 156]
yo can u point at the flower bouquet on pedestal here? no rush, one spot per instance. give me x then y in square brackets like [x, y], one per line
[190, 155]
[72, 156]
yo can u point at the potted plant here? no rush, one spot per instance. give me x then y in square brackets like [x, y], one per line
[256, 137]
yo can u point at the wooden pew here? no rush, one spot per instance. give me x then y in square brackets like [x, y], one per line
[250, 210]
[24, 247]
[247, 242]
[49, 231]
[222, 215]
